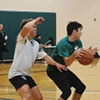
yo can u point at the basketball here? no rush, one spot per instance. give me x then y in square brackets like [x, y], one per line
[86, 58]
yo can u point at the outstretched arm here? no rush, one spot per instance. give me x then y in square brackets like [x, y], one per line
[54, 63]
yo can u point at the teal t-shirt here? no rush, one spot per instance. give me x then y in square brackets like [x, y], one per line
[64, 48]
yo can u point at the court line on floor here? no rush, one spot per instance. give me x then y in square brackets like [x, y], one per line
[47, 91]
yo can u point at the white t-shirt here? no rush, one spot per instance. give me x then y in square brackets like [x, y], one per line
[24, 57]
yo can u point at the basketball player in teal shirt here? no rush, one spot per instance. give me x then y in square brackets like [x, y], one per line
[64, 48]
[65, 53]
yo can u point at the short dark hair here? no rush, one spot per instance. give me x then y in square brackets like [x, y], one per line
[37, 35]
[24, 21]
[73, 25]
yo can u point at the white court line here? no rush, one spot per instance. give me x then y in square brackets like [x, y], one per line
[43, 91]
[86, 92]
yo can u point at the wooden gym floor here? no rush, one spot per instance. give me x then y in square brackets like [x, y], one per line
[90, 75]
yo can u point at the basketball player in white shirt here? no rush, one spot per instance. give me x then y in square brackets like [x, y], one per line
[27, 49]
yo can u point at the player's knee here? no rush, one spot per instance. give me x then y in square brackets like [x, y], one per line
[39, 98]
[66, 94]
[28, 96]
[81, 89]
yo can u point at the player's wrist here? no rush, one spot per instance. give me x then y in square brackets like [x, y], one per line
[75, 54]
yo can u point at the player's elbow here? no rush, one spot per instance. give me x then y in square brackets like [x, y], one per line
[68, 64]
[26, 28]
[67, 61]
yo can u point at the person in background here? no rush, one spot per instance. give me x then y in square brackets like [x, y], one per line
[50, 42]
[26, 51]
[38, 39]
[3, 45]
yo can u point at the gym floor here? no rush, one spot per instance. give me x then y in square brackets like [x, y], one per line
[90, 75]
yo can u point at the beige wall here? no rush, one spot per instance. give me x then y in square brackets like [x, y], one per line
[83, 11]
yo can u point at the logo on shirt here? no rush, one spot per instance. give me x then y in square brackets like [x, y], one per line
[76, 48]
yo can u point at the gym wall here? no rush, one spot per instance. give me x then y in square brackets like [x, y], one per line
[11, 21]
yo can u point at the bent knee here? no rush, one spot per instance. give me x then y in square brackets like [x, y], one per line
[66, 94]
[40, 98]
[37, 97]
[28, 96]
[81, 89]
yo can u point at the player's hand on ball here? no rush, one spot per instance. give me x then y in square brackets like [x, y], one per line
[79, 52]
[86, 57]
[94, 50]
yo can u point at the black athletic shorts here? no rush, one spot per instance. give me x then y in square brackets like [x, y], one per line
[19, 81]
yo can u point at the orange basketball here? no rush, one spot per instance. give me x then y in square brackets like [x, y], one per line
[86, 58]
